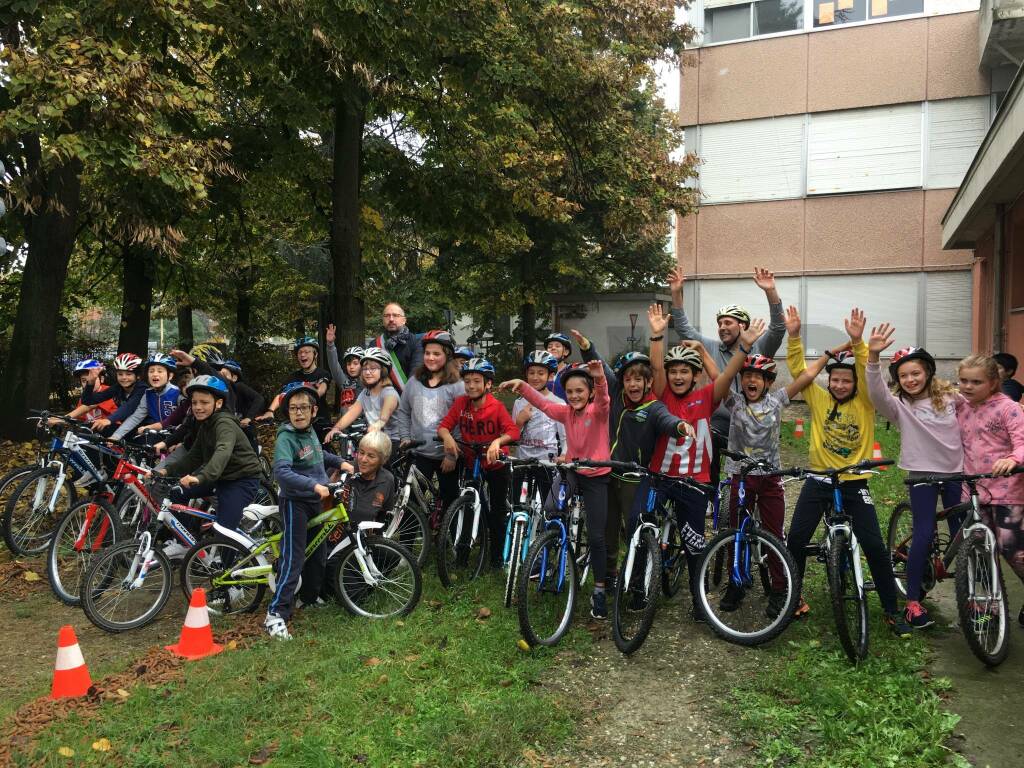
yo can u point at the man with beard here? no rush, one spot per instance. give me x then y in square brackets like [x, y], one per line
[732, 319]
[401, 344]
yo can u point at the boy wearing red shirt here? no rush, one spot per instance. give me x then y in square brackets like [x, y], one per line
[482, 419]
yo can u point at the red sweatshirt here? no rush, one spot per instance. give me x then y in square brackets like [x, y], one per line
[480, 425]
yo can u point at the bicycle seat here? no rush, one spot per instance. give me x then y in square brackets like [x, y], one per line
[259, 512]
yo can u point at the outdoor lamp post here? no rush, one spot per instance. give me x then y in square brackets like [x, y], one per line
[633, 317]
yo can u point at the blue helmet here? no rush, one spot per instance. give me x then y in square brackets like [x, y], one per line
[628, 359]
[89, 364]
[233, 366]
[478, 365]
[542, 358]
[292, 388]
[464, 353]
[166, 361]
[306, 341]
[211, 384]
[561, 338]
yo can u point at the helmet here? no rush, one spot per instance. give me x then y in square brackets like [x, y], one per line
[901, 356]
[211, 384]
[127, 361]
[735, 311]
[293, 388]
[208, 353]
[628, 359]
[464, 353]
[578, 369]
[844, 360]
[234, 367]
[88, 364]
[478, 365]
[439, 337]
[306, 341]
[541, 357]
[377, 355]
[685, 355]
[356, 352]
[762, 364]
[561, 338]
[166, 361]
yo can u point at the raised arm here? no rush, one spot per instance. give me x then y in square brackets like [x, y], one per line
[684, 330]
[795, 348]
[588, 352]
[657, 323]
[330, 334]
[771, 341]
[748, 337]
[855, 329]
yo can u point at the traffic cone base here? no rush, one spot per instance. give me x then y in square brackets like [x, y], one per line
[70, 675]
[196, 635]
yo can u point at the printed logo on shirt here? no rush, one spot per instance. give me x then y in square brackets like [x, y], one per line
[865, 496]
[841, 435]
[378, 500]
[305, 451]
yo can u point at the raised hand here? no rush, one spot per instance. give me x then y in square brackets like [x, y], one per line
[855, 324]
[331, 333]
[512, 385]
[793, 321]
[765, 280]
[692, 344]
[748, 336]
[596, 369]
[182, 357]
[880, 338]
[676, 278]
[657, 320]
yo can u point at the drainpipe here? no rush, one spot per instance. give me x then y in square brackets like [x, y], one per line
[998, 289]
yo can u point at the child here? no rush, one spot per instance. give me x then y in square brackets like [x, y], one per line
[90, 375]
[127, 393]
[1010, 387]
[371, 492]
[345, 371]
[559, 346]
[220, 461]
[377, 401]
[427, 397]
[307, 352]
[585, 416]
[482, 419]
[462, 354]
[923, 406]
[842, 433]
[249, 403]
[675, 383]
[636, 421]
[992, 430]
[300, 474]
[540, 436]
[158, 402]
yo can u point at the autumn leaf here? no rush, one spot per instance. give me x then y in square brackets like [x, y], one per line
[30, 576]
[373, 661]
[101, 745]
[66, 752]
[483, 613]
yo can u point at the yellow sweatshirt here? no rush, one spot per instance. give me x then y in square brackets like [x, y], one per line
[840, 434]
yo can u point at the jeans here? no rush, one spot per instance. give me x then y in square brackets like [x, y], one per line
[621, 496]
[923, 499]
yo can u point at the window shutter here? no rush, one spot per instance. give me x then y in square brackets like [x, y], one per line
[889, 298]
[956, 128]
[948, 314]
[752, 159]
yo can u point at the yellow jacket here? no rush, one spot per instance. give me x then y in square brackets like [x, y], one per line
[841, 434]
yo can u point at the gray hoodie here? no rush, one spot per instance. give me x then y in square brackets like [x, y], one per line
[420, 411]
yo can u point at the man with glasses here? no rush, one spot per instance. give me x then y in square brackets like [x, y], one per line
[400, 343]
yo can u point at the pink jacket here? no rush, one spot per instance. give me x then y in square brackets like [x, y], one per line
[993, 430]
[586, 431]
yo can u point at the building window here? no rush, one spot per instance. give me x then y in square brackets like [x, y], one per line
[726, 20]
[772, 16]
[828, 13]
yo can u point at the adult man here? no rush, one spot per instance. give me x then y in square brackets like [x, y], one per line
[400, 343]
[731, 320]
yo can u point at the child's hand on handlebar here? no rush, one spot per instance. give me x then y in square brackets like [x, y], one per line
[494, 452]
[1004, 466]
[188, 480]
[322, 490]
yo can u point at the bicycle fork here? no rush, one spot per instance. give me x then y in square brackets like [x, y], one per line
[634, 544]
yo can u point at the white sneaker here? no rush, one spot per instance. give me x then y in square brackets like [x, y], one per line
[277, 627]
[174, 550]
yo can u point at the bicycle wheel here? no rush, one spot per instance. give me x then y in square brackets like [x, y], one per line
[636, 594]
[901, 533]
[579, 538]
[113, 599]
[88, 527]
[673, 560]
[547, 592]
[12, 479]
[461, 554]
[515, 558]
[130, 510]
[981, 601]
[382, 583]
[265, 494]
[849, 602]
[34, 508]
[758, 606]
[211, 559]
[410, 528]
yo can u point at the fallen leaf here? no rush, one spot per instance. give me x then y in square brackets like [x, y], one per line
[373, 661]
[30, 576]
[412, 657]
[382, 679]
[101, 745]
[484, 613]
[504, 683]
[263, 754]
[66, 752]
[232, 645]
[123, 693]
[399, 623]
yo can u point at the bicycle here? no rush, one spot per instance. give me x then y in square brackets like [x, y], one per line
[14, 476]
[374, 576]
[409, 521]
[526, 517]
[762, 585]
[971, 558]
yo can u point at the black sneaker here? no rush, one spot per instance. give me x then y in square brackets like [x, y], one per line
[776, 602]
[599, 605]
[898, 624]
[733, 597]
[1020, 616]
[697, 614]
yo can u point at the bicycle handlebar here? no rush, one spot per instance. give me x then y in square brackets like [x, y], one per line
[861, 467]
[962, 478]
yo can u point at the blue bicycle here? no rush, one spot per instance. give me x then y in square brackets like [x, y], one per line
[526, 519]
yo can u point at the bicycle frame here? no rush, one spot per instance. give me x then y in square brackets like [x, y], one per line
[837, 522]
[522, 516]
[563, 534]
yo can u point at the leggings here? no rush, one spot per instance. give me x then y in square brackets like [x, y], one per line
[621, 496]
[594, 490]
[923, 499]
[1008, 524]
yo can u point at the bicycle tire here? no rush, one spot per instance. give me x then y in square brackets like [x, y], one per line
[103, 585]
[79, 535]
[538, 577]
[456, 562]
[11, 480]
[580, 542]
[412, 532]
[673, 561]
[849, 604]
[515, 559]
[637, 601]
[974, 563]
[727, 624]
[204, 562]
[32, 536]
[399, 578]
[898, 538]
[130, 511]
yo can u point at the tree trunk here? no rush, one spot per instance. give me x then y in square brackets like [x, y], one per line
[528, 310]
[346, 256]
[50, 234]
[243, 322]
[186, 333]
[136, 300]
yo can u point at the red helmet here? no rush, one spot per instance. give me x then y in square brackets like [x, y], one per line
[127, 361]
[900, 356]
[439, 337]
[762, 364]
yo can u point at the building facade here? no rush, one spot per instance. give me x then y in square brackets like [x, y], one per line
[832, 136]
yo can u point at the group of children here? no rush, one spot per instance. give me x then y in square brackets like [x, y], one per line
[659, 410]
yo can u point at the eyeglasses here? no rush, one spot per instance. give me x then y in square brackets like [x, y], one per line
[394, 314]
[299, 408]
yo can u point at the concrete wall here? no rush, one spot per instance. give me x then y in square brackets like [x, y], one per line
[604, 319]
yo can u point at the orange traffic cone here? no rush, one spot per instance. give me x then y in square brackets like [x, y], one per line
[798, 433]
[196, 636]
[876, 453]
[70, 675]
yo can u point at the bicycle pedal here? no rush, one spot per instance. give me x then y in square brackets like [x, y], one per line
[869, 586]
